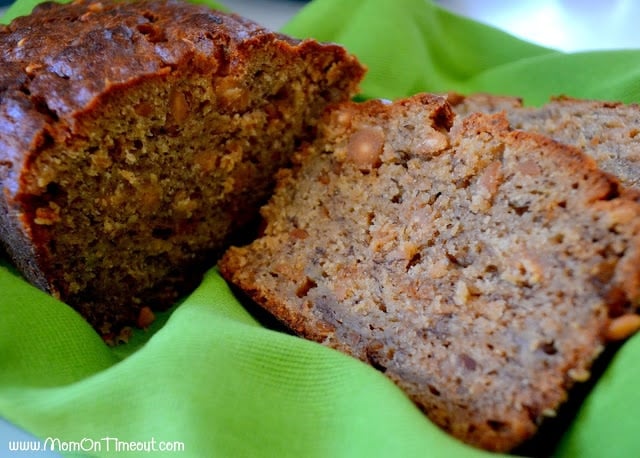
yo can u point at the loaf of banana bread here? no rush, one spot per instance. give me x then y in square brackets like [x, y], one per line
[482, 269]
[137, 137]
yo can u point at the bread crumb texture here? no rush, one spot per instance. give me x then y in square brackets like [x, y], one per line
[477, 266]
[136, 138]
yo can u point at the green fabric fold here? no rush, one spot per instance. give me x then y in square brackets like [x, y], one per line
[212, 379]
[211, 376]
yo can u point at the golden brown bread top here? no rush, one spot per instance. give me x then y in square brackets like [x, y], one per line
[126, 40]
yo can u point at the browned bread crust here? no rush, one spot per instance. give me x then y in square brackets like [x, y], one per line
[476, 266]
[136, 137]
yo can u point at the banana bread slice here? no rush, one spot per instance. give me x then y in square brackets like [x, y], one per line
[607, 131]
[137, 137]
[481, 269]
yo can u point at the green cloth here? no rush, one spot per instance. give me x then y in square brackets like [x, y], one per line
[209, 375]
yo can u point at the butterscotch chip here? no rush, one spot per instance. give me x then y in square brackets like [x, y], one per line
[478, 276]
[179, 107]
[145, 318]
[365, 147]
[623, 326]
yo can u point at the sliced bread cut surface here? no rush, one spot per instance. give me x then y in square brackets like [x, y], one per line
[609, 132]
[477, 267]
